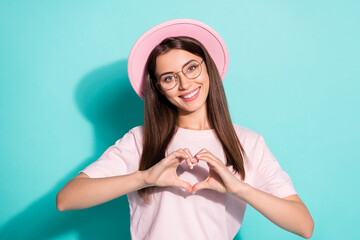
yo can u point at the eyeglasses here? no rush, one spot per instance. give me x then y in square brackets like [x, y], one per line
[191, 70]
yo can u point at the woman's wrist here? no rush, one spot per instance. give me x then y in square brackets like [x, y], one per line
[242, 190]
[144, 176]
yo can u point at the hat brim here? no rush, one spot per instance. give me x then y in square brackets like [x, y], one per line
[142, 48]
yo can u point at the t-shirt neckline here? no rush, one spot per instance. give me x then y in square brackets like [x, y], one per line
[196, 132]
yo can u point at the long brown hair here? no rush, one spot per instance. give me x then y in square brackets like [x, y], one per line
[160, 116]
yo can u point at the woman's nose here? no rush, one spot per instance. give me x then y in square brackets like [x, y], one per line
[184, 82]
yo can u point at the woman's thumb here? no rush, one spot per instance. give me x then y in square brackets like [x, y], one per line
[185, 185]
[198, 186]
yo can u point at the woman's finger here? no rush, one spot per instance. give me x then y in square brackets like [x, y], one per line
[177, 156]
[181, 155]
[187, 151]
[201, 151]
[184, 156]
[204, 152]
[188, 157]
[205, 157]
[191, 161]
[194, 161]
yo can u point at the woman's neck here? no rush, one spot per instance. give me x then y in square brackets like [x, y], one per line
[197, 120]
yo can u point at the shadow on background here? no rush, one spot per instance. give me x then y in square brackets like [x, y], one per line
[107, 100]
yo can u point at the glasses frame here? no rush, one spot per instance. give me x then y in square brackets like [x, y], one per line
[176, 74]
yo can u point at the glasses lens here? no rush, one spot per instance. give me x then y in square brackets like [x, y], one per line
[192, 69]
[168, 81]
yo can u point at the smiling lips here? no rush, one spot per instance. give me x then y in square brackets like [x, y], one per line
[190, 96]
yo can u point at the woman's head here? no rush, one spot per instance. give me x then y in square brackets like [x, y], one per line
[182, 78]
[185, 57]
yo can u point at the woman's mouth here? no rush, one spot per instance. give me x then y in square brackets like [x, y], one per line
[190, 96]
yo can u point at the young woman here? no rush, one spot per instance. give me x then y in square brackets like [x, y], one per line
[188, 172]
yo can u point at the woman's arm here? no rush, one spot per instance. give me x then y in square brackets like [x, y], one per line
[289, 213]
[84, 192]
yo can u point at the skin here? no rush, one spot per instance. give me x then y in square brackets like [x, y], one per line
[289, 213]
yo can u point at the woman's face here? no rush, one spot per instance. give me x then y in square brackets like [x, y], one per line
[189, 95]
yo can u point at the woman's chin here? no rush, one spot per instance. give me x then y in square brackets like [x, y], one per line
[186, 110]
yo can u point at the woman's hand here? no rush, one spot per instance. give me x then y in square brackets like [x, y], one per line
[164, 174]
[220, 178]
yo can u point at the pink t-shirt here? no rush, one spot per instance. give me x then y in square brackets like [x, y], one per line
[177, 214]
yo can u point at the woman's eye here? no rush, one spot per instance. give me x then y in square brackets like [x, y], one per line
[191, 68]
[168, 79]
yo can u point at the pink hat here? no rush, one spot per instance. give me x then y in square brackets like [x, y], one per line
[142, 48]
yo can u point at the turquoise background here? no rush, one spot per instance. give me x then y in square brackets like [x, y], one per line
[65, 98]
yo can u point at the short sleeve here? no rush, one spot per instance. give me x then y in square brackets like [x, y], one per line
[119, 159]
[269, 177]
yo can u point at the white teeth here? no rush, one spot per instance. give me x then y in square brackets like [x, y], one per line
[191, 94]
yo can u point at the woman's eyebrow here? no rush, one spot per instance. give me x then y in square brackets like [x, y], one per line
[164, 74]
[181, 68]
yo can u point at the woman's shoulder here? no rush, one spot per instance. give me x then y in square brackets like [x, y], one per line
[245, 130]
[138, 130]
[133, 136]
[246, 135]
[136, 133]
